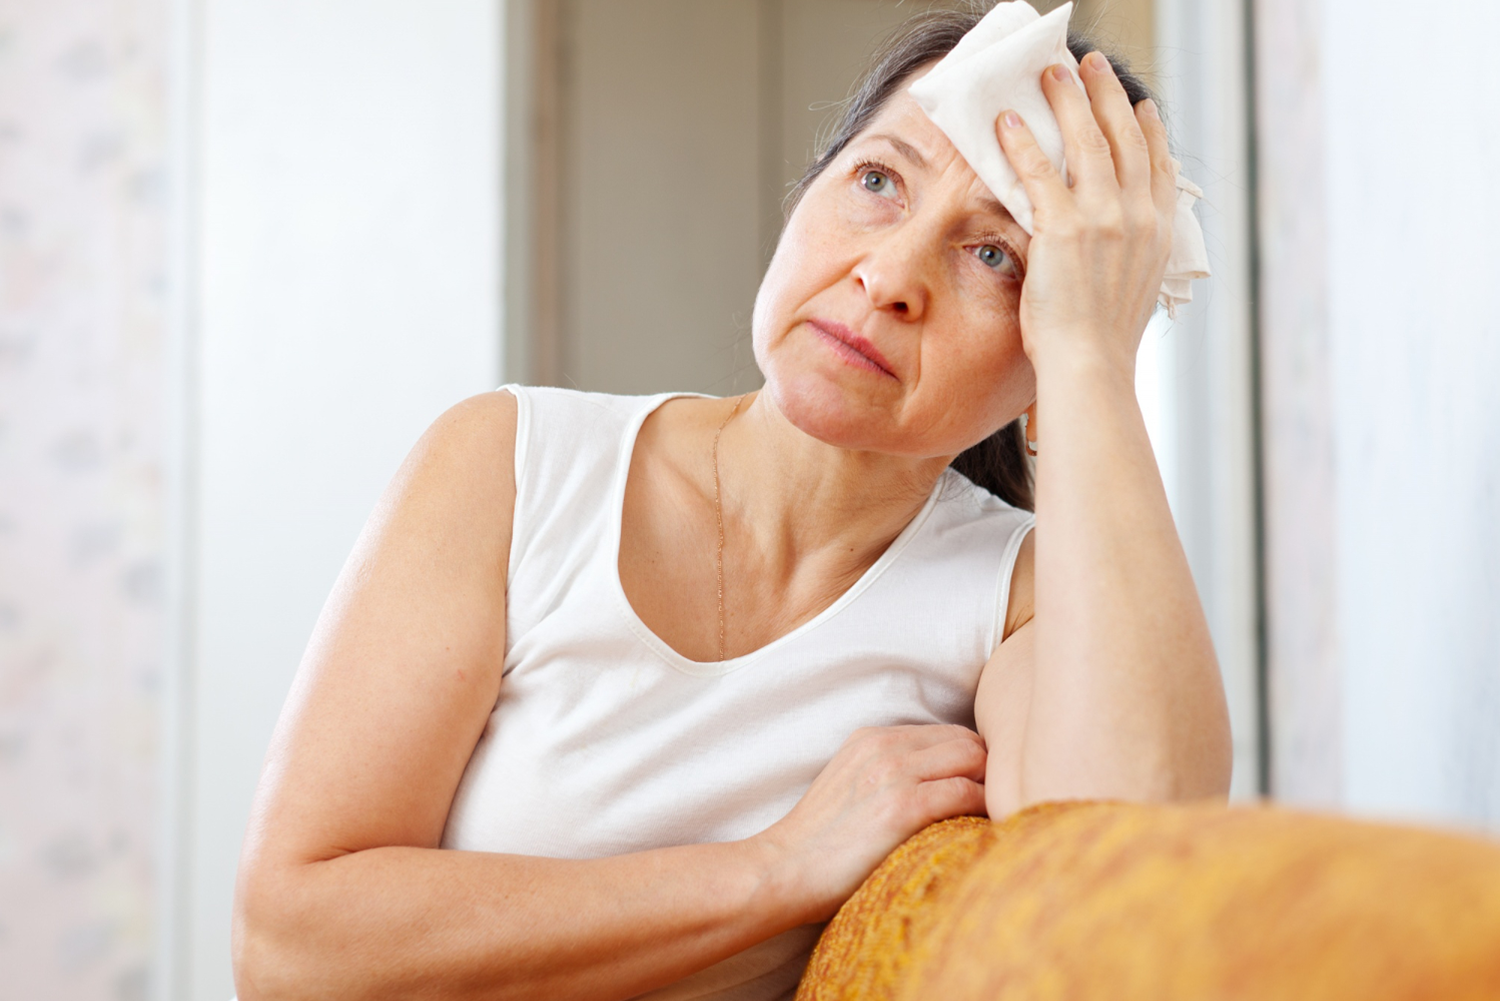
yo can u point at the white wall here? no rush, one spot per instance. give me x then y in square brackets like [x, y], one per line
[347, 218]
[1413, 151]
[1297, 458]
[1379, 145]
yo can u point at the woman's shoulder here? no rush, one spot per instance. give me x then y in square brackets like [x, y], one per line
[481, 427]
[495, 469]
[443, 522]
[464, 463]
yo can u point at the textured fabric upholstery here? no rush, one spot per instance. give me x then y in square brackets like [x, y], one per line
[1168, 903]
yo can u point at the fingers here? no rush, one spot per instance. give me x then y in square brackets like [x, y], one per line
[913, 737]
[951, 797]
[911, 755]
[1117, 122]
[1043, 184]
[1086, 148]
[1118, 155]
[1163, 173]
[872, 796]
[963, 756]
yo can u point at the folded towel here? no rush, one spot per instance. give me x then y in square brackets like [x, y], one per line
[997, 67]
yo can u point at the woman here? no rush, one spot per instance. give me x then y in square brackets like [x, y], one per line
[743, 642]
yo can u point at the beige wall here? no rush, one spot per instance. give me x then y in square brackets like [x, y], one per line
[661, 193]
[667, 134]
[1123, 27]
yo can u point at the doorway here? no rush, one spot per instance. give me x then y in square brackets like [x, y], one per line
[654, 143]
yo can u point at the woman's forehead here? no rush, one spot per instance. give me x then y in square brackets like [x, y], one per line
[903, 118]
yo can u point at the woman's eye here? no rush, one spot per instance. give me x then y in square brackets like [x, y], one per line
[877, 181]
[996, 259]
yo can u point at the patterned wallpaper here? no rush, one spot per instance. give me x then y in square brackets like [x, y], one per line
[82, 257]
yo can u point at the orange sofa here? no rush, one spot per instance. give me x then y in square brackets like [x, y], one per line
[1084, 901]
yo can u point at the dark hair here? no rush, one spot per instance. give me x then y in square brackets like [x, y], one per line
[998, 463]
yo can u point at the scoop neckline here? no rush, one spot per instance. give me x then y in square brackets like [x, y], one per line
[719, 668]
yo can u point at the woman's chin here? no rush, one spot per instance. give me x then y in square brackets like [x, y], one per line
[824, 408]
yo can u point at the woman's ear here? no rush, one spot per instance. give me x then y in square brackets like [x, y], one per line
[1028, 427]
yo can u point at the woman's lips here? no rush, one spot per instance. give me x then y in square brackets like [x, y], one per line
[855, 349]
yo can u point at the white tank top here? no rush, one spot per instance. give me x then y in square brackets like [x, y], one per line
[605, 740]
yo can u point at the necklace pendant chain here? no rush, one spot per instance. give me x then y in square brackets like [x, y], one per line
[719, 519]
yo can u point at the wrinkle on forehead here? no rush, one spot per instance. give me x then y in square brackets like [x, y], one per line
[903, 123]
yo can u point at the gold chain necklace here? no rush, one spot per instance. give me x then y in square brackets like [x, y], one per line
[719, 517]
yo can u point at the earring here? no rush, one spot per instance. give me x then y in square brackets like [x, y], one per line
[1031, 443]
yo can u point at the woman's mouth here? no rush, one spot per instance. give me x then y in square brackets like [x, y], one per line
[853, 348]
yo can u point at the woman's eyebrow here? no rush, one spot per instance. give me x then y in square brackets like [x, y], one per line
[988, 203]
[903, 147]
[991, 204]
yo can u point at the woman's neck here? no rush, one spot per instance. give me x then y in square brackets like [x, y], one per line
[802, 521]
[796, 498]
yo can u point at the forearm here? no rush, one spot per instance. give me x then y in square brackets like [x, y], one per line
[412, 922]
[1127, 699]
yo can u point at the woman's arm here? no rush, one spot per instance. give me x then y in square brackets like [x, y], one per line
[1112, 690]
[342, 889]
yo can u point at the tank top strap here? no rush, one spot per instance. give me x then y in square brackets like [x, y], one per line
[971, 549]
[571, 449]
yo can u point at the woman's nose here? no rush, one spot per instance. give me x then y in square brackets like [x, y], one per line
[894, 273]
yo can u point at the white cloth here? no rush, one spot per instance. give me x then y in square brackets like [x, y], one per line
[606, 741]
[997, 67]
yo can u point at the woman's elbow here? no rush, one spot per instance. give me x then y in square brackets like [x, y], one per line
[1206, 760]
[1168, 768]
[268, 951]
[1196, 765]
[1212, 778]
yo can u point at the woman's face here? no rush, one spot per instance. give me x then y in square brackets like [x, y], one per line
[887, 320]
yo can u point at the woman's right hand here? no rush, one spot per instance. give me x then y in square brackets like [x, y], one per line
[884, 785]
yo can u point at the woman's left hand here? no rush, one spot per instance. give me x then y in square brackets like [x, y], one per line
[1099, 250]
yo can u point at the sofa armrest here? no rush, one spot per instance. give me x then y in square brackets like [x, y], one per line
[1168, 903]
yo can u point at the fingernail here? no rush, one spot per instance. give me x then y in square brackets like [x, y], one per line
[1060, 73]
[1012, 120]
[1097, 61]
[1149, 106]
